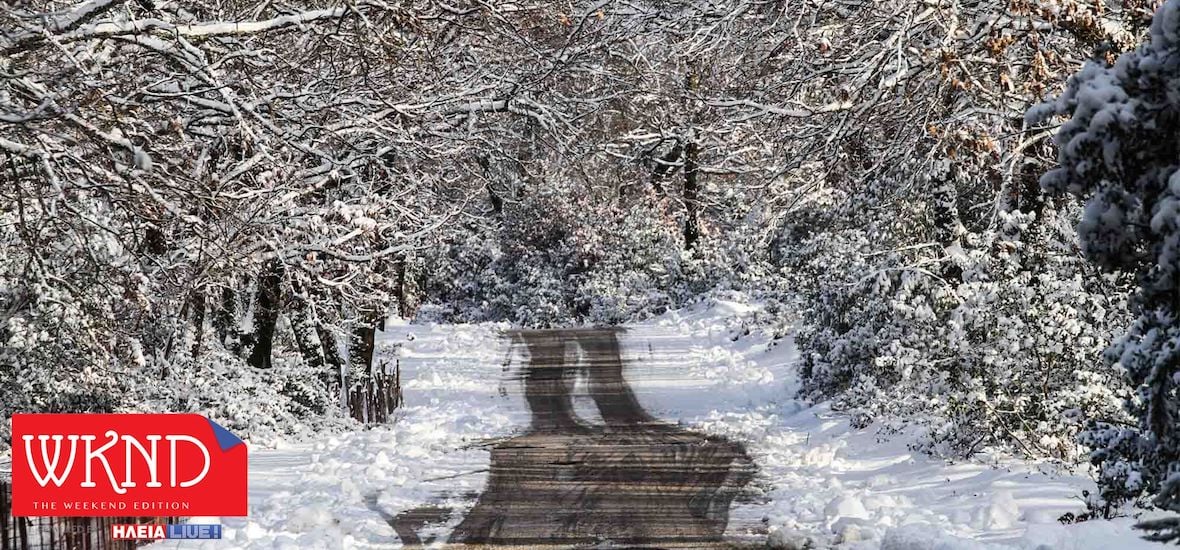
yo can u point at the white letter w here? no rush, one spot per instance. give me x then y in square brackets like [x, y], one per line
[50, 466]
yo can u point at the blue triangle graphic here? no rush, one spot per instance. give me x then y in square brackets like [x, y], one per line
[225, 439]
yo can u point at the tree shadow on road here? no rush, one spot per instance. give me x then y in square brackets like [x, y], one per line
[631, 480]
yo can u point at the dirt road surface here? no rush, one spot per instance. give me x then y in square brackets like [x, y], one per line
[627, 480]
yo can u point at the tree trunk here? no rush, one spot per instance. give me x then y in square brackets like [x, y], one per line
[948, 226]
[372, 392]
[495, 200]
[692, 230]
[666, 166]
[304, 323]
[1031, 199]
[266, 314]
[360, 349]
[165, 372]
[318, 398]
[360, 367]
[225, 320]
[316, 344]
[198, 322]
[333, 362]
[407, 303]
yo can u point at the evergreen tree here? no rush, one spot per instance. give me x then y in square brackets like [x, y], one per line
[1118, 151]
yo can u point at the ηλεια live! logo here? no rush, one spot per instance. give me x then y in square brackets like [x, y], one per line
[126, 465]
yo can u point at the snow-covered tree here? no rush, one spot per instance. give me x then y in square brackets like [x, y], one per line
[1117, 151]
[183, 181]
[940, 288]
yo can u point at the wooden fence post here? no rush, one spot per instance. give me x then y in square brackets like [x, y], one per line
[5, 508]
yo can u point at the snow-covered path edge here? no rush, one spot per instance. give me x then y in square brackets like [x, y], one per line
[707, 367]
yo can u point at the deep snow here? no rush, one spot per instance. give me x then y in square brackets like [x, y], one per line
[819, 481]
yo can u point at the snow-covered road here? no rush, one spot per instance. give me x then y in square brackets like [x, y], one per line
[818, 479]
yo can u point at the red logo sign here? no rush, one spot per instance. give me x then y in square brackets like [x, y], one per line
[126, 465]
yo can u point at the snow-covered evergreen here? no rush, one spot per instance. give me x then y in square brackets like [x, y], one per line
[1116, 150]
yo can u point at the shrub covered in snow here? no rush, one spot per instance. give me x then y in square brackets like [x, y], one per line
[991, 342]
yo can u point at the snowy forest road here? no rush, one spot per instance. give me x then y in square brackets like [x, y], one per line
[631, 479]
[626, 439]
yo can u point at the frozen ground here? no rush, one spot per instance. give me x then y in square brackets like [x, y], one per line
[819, 480]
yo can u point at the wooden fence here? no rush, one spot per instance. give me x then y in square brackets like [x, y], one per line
[48, 533]
[374, 395]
